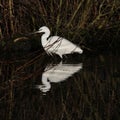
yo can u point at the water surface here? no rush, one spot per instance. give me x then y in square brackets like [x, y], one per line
[36, 89]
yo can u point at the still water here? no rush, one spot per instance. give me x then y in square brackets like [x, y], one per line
[42, 88]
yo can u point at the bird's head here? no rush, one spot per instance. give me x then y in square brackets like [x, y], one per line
[42, 29]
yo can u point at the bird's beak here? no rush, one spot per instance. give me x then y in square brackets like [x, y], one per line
[36, 32]
[33, 33]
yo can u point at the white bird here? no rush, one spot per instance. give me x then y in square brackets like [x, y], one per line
[56, 44]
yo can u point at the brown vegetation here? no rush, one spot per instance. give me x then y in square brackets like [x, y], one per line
[23, 16]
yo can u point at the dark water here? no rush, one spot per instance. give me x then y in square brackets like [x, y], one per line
[85, 89]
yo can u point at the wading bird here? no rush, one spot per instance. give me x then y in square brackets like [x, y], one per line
[56, 44]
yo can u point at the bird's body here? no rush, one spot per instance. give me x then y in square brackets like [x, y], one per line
[56, 44]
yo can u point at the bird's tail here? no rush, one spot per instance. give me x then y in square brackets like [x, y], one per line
[79, 50]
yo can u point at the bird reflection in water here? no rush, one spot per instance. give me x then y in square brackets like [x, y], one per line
[57, 73]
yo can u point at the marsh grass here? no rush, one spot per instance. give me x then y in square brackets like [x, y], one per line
[61, 16]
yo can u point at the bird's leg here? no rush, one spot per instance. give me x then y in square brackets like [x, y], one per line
[61, 56]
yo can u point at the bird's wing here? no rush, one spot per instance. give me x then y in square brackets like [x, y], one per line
[57, 39]
[56, 43]
[53, 43]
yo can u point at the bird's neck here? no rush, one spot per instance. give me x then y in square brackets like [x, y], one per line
[45, 37]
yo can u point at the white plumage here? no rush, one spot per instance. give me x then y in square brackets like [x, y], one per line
[56, 44]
